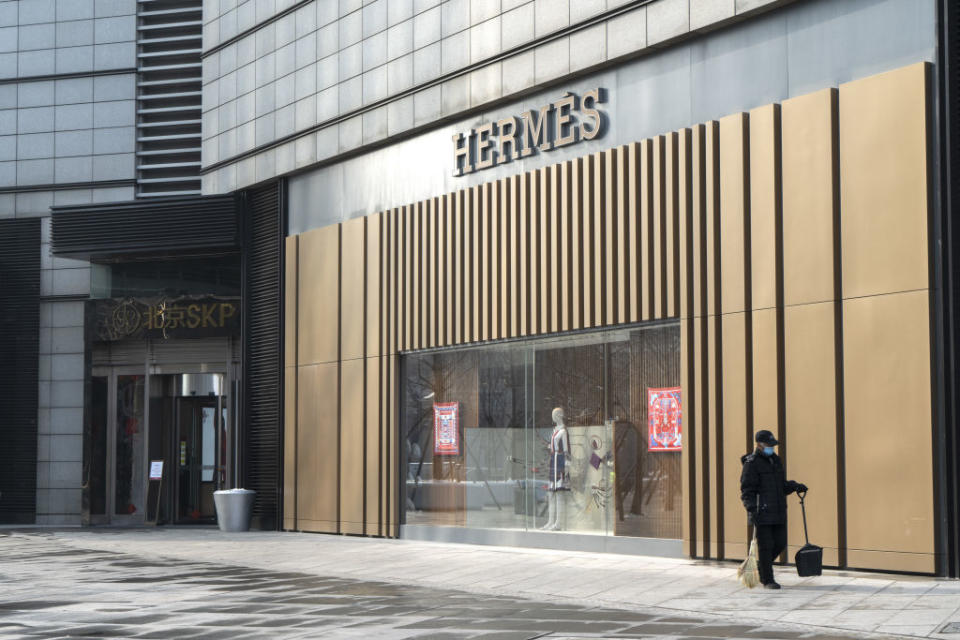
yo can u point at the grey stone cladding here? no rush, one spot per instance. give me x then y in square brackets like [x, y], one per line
[289, 84]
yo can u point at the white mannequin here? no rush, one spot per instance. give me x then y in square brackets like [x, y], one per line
[559, 451]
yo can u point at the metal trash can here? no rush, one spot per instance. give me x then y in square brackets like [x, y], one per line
[234, 507]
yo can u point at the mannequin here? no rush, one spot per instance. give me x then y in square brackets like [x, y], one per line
[559, 449]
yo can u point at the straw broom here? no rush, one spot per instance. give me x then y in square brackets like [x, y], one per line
[747, 572]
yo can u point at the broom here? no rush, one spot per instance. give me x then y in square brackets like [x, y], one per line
[747, 572]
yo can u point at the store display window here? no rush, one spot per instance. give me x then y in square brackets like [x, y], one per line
[579, 434]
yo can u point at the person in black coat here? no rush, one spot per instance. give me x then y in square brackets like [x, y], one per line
[764, 490]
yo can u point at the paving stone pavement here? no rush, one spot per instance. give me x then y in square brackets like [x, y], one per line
[199, 583]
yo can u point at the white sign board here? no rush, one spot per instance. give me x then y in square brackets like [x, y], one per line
[156, 469]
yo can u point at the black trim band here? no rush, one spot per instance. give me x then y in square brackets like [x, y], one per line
[68, 76]
[243, 34]
[101, 184]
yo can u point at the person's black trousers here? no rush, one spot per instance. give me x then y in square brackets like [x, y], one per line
[771, 541]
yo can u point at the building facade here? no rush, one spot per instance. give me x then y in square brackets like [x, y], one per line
[68, 87]
[520, 272]
[677, 221]
[121, 284]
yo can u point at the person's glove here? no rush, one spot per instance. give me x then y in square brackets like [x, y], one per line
[801, 488]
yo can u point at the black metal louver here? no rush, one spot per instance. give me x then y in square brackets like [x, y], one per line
[262, 367]
[177, 225]
[948, 77]
[19, 348]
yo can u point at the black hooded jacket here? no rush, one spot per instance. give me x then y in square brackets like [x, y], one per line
[763, 476]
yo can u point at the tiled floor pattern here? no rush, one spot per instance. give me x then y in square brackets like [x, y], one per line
[49, 589]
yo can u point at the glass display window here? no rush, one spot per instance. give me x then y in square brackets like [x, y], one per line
[578, 434]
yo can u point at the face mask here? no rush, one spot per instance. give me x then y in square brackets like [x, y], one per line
[768, 451]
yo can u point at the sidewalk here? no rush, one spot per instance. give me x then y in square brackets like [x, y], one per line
[840, 601]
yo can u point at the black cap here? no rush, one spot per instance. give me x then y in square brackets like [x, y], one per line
[765, 437]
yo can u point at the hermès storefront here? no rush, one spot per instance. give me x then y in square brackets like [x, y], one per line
[558, 320]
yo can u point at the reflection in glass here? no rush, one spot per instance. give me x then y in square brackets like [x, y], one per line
[130, 472]
[209, 440]
[503, 467]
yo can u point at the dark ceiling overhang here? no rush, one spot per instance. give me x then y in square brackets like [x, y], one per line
[125, 230]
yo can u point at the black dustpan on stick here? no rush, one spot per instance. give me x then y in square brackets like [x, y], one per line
[809, 558]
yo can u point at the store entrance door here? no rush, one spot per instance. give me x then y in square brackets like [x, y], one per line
[201, 425]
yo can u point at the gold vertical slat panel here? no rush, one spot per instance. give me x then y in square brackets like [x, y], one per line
[496, 250]
[810, 405]
[407, 248]
[483, 214]
[685, 261]
[698, 218]
[352, 296]
[511, 188]
[393, 448]
[587, 181]
[887, 406]
[634, 244]
[700, 351]
[712, 201]
[714, 384]
[764, 126]
[523, 211]
[291, 281]
[507, 263]
[536, 252]
[714, 456]
[884, 187]
[454, 256]
[671, 266]
[566, 214]
[352, 452]
[443, 272]
[416, 276]
[645, 167]
[386, 434]
[624, 277]
[290, 448]
[766, 373]
[290, 383]
[764, 194]
[472, 272]
[659, 227]
[685, 392]
[734, 214]
[735, 367]
[609, 208]
[576, 243]
[459, 255]
[374, 313]
[319, 296]
[556, 215]
[700, 450]
[809, 138]
[688, 517]
[391, 267]
[372, 447]
[734, 429]
[545, 215]
[318, 475]
[428, 300]
[599, 240]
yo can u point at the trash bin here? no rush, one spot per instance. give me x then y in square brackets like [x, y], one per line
[234, 507]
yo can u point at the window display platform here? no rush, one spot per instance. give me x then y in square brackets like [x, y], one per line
[562, 541]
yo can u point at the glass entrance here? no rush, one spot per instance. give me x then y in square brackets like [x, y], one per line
[137, 417]
[200, 452]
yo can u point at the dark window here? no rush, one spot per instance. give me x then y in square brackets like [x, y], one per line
[217, 275]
